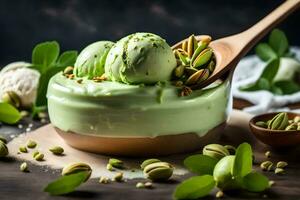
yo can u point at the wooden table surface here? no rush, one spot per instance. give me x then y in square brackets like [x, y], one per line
[16, 185]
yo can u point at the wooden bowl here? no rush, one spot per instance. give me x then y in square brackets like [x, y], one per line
[274, 138]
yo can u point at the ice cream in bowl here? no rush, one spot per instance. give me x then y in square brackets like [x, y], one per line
[134, 97]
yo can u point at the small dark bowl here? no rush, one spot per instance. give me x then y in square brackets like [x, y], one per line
[274, 138]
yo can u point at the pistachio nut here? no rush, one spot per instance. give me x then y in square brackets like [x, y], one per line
[179, 71]
[68, 70]
[279, 171]
[202, 58]
[190, 70]
[39, 157]
[198, 77]
[201, 46]
[206, 39]
[116, 163]
[220, 194]
[3, 149]
[35, 153]
[148, 185]
[279, 122]
[185, 91]
[23, 149]
[291, 127]
[183, 56]
[211, 66]
[266, 165]
[216, 151]
[140, 185]
[118, 177]
[261, 124]
[57, 150]
[268, 154]
[281, 164]
[109, 167]
[3, 139]
[148, 162]
[103, 180]
[192, 45]
[271, 183]
[231, 149]
[24, 167]
[184, 45]
[24, 113]
[296, 119]
[158, 171]
[31, 144]
[75, 168]
[12, 98]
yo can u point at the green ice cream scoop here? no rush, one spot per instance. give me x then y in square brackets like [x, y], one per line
[90, 62]
[140, 58]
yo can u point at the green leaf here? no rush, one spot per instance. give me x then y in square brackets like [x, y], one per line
[44, 55]
[271, 70]
[41, 99]
[279, 42]
[263, 84]
[276, 90]
[243, 161]
[66, 184]
[200, 164]
[9, 114]
[195, 187]
[265, 52]
[287, 87]
[255, 182]
[67, 58]
[249, 88]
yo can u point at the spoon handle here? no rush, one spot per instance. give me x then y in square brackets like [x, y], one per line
[247, 39]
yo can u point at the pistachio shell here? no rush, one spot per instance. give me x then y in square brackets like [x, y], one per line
[206, 39]
[202, 58]
[148, 162]
[57, 150]
[190, 70]
[200, 48]
[198, 77]
[216, 151]
[231, 149]
[158, 171]
[266, 165]
[291, 127]
[191, 46]
[183, 56]
[279, 171]
[179, 71]
[297, 119]
[281, 164]
[279, 122]
[3, 149]
[261, 124]
[116, 163]
[184, 45]
[12, 98]
[140, 185]
[211, 66]
[75, 168]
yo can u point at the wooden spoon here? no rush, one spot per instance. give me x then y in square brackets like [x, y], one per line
[231, 49]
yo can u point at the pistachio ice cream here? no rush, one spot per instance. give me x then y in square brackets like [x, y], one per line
[136, 101]
[140, 58]
[91, 60]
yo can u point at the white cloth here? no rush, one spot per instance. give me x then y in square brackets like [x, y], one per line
[249, 70]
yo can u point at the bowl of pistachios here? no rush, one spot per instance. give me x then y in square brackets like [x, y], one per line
[277, 129]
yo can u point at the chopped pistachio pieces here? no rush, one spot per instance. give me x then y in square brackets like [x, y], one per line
[31, 144]
[23, 149]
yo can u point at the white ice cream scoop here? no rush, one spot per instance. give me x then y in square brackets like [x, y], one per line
[22, 80]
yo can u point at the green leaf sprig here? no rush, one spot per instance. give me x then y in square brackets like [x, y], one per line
[271, 53]
[9, 114]
[232, 172]
[66, 184]
[47, 60]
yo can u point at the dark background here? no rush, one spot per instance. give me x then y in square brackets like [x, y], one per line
[75, 24]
